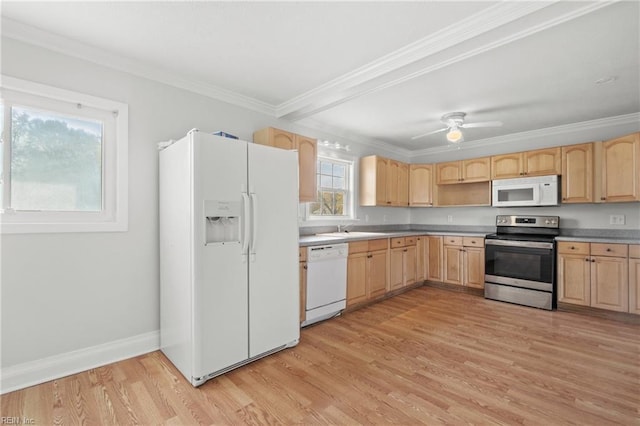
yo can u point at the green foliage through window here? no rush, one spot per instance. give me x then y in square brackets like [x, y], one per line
[56, 162]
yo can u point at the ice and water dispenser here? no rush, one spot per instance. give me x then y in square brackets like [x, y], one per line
[222, 221]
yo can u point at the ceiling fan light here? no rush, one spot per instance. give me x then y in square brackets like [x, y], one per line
[454, 135]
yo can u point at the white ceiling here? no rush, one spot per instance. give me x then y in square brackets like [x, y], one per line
[373, 71]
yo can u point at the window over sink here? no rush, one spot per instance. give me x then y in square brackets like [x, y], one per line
[335, 190]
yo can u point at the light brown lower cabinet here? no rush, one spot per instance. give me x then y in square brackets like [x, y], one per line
[634, 278]
[422, 253]
[594, 274]
[452, 260]
[303, 283]
[434, 258]
[402, 262]
[574, 273]
[473, 261]
[366, 270]
[463, 259]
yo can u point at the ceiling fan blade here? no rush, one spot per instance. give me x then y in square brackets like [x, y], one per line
[482, 124]
[430, 133]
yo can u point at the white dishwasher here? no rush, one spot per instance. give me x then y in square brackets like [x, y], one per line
[326, 281]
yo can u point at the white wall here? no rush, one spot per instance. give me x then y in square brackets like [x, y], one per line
[68, 292]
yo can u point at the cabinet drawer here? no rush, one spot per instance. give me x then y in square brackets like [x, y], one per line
[570, 247]
[473, 241]
[410, 241]
[375, 245]
[452, 241]
[614, 250]
[397, 242]
[358, 247]
[634, 251]
[302, 254]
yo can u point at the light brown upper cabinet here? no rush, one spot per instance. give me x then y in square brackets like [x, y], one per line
[618, 169]
[464, 171]
[421, 185]
[383, 182]
[307, 156]
[540, 162]
[403, 184]
[577, 173]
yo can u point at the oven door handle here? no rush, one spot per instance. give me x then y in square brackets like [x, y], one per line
[512, 243]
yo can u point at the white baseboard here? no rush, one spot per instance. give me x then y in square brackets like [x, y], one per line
[43, 370]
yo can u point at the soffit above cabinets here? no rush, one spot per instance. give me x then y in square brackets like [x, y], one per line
[380, 72]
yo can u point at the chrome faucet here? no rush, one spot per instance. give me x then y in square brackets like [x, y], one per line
[344, 228]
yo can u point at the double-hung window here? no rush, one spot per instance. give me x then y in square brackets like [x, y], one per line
[64, 160]
[334, 183]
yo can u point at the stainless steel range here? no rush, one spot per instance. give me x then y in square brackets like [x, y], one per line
[520, 261]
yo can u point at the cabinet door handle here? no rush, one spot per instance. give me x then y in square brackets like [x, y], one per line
[608, 249]
[603, 198]
[586, 259]
[593, 261]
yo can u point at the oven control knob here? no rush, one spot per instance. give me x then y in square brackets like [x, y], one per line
[547, 222]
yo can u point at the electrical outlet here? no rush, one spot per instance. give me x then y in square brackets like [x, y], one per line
[449, 219]
[616, 219]
[384, 218]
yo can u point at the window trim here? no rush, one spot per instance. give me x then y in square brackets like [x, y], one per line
[114, 214]
[349, 205]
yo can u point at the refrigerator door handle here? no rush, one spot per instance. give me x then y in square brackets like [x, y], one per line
[254, 224]
[246, 219]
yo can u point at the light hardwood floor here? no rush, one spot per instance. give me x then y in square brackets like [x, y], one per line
[428, 356]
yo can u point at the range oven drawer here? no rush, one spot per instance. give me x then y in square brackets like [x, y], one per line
[520, 296]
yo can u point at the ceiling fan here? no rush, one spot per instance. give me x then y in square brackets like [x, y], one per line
[455, 123]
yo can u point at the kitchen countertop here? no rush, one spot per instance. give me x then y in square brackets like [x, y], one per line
[600, 240]
[319, 239]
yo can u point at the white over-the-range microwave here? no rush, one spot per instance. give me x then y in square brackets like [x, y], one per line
[526, 191]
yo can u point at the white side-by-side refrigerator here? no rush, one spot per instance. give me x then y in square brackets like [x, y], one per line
[229, 286]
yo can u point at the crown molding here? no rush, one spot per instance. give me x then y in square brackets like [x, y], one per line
[632, 119]
[360, 81]
[318, 99]
[31, 35]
